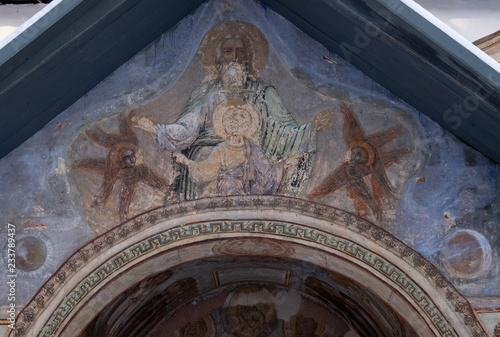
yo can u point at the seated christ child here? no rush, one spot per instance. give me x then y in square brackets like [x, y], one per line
[237, 166]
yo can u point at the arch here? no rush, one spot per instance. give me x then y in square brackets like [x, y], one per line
[320, 235]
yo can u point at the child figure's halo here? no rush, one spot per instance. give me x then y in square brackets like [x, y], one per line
[251, 130]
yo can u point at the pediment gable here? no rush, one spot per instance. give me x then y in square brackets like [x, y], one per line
[302, 110]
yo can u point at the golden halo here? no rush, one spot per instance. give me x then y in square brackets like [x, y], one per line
[259, 46]
[210, 326]
[222, 109]
[369, 151]
[250, 296]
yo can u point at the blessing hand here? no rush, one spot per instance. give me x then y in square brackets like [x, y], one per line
[180, 158]
[146, 124]
[322, 120]
[292, 161]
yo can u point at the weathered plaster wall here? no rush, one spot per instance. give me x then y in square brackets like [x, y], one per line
[446, 195]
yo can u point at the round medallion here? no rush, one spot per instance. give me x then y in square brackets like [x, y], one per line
[31, 253]
[253, 247]
[466, 254]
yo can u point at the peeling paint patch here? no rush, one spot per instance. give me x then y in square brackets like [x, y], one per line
[61, 167]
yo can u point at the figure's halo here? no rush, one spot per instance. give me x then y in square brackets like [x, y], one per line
[259, 46]
[209, 323]
[249, 296]
[368, 148]
[228, 106]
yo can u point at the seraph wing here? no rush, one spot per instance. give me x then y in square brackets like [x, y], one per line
[331, 183]
[352, 130]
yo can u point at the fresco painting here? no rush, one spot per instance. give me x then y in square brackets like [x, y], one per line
[237, 166]
[236, 136]
[204, 327]
[344, 293]
[303, 326]
[120, 164]
[251, 311]
[244, 309]
[147, 295]
[368, 158]
[32, 253]
[233, 53]
[235, 101]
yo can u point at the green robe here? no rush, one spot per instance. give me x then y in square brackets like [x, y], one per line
[280, 136]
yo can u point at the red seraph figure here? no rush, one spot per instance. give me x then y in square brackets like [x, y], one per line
[126, 133]
[120, 164]
[368, 158]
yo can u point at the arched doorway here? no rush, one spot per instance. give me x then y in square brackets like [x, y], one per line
[215, 250]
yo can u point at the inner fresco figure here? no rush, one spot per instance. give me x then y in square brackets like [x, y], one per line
[251, 314]
[200, 328]
[120, 164]
[234, 53]
[303, 326]
[237, 166]
[367, 159]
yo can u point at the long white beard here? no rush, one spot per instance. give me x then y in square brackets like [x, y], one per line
[234, 76]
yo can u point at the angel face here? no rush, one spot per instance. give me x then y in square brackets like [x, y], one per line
[128, 159]
[358, 156]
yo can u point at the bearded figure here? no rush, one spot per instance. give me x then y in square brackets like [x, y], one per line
[234, 53]
[251, 313]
